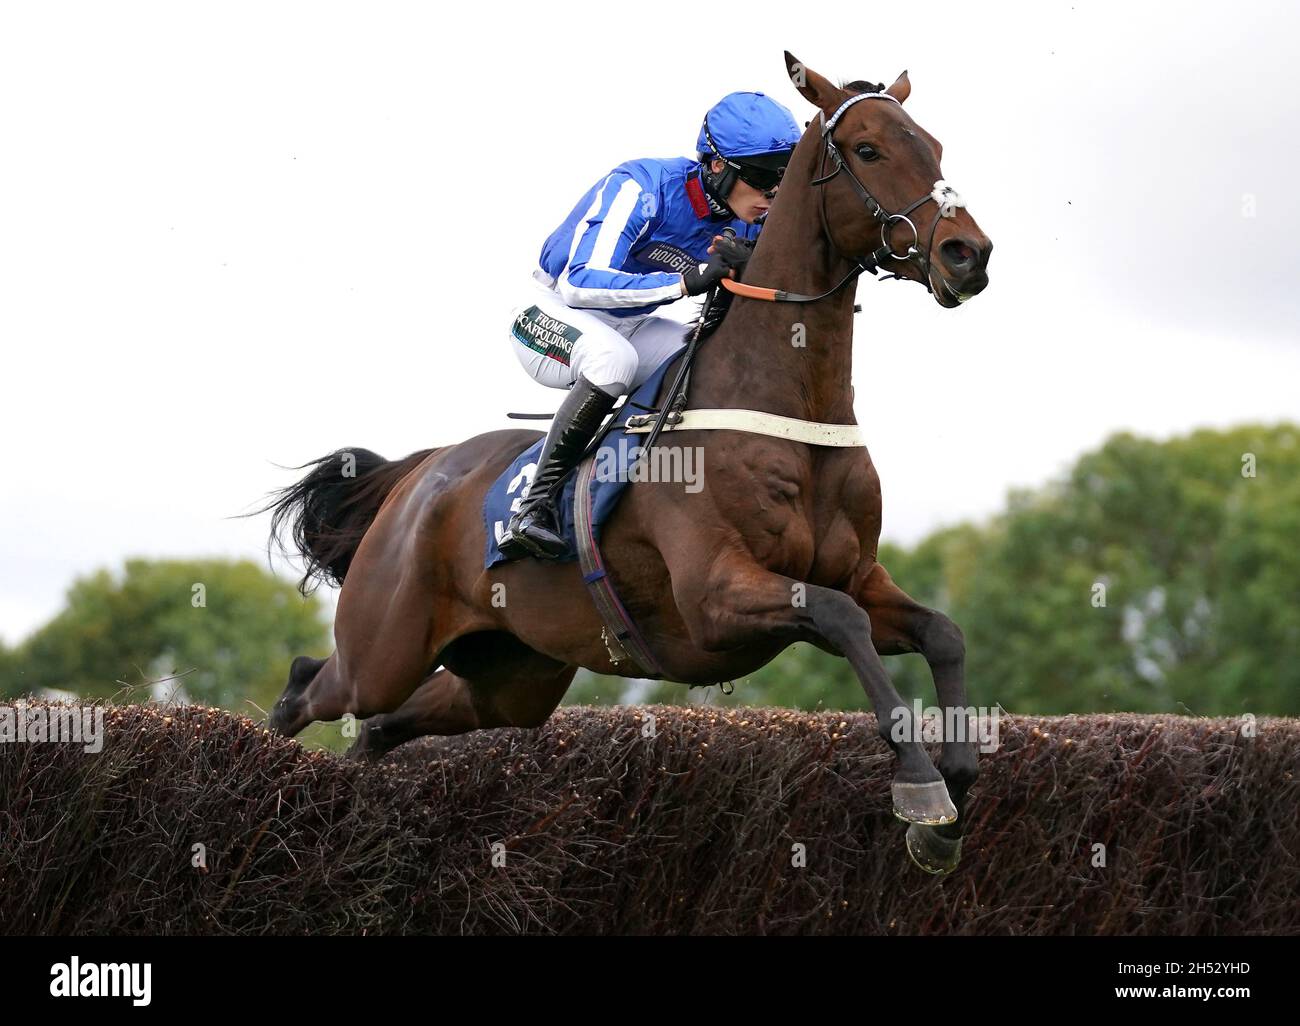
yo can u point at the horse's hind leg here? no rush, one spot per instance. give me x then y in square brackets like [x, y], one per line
[519, 692]
[443, 704]
[327, 689]
[383, 651]
[377, 681]
[901, 624]
[308, 696]
[386, 643]
[285, 714]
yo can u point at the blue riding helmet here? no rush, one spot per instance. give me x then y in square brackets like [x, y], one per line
[754, 134]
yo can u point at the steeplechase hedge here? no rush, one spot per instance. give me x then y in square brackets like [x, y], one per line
[737, 821]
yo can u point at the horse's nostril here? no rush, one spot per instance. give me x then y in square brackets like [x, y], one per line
[959, 256]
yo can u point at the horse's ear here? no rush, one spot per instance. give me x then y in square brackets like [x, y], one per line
[901, 89]
[812, 87]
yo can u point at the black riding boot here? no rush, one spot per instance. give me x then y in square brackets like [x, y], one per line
[534, 530]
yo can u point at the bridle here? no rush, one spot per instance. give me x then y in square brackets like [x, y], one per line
[945, 198]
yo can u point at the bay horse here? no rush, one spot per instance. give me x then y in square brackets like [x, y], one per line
[779, 546]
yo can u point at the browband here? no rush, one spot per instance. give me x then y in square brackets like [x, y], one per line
[834, 118]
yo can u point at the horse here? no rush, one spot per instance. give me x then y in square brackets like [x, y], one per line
[778, 546]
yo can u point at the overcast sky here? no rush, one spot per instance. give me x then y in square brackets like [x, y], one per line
[235, 235]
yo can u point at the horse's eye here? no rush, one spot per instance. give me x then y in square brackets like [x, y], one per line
[867, 153]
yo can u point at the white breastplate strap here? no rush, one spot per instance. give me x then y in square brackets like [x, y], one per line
[756, 423]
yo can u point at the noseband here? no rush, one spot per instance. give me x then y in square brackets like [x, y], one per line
[945, 198]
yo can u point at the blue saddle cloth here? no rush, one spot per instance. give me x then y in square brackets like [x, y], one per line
[618, 451]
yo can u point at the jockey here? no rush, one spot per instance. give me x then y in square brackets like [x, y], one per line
[648, 233]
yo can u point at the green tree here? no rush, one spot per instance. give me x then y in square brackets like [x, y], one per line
[1199, 567]
[224, 631]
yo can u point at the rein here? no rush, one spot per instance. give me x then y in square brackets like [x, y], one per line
[944, 196]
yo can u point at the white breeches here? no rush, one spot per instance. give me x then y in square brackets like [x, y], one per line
[555, 343]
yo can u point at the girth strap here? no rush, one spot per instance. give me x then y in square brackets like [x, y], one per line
[757, 423]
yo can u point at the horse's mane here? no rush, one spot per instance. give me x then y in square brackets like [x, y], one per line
[863, 86]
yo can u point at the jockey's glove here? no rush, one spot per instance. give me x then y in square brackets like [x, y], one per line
[727, 255]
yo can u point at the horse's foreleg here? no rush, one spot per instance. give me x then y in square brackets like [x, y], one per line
[901, 624]
[739, 606]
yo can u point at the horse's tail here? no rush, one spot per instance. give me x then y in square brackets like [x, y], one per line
[329, 510]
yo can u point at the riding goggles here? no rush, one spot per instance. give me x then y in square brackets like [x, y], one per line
[764, 179]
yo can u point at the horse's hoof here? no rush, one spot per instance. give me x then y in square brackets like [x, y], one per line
[361, 754]
[277, 721]
[931, 851]
[368, 748]
[927, 804]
